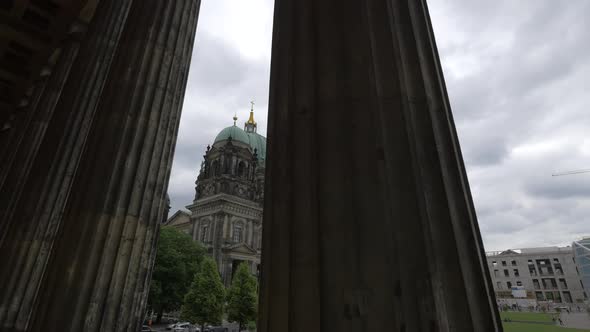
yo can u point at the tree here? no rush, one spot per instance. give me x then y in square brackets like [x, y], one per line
[242, 297]
[177, 261]
[204, 302]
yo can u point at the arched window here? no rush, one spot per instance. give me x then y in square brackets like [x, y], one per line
[241, 169]
[215, 168]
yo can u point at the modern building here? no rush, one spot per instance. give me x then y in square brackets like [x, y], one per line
[581, 251]
[226, 214]
[538, 274]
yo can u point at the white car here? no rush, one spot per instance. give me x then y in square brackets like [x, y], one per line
[182, 327]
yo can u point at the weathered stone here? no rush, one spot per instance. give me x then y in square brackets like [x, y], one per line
[368, 220]
[83, 241]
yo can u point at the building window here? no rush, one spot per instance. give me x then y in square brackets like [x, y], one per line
[506, 273]
[509, 285]
[557, 297]
[536, 284]
[519, 283]
[549, 296]
[567, 297]
[496, 273]
[241, 169]
[215, 171]
[494, 263]
[503, 263]
[237, 236]
[562, 283]
[499, 284]
[513, 263]
[516, 274]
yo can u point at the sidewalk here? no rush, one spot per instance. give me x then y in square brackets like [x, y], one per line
[578, 320]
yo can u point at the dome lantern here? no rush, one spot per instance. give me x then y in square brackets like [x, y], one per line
[250, 125]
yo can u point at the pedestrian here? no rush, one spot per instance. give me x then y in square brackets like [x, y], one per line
[560, 322]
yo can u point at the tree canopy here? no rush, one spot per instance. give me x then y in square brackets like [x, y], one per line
[242, 297]
[177, 261]
[204, 302]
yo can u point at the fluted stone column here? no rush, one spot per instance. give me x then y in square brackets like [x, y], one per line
[123, 174]
[369, 223]
[25, 142]
[37, 188]
[83, 233]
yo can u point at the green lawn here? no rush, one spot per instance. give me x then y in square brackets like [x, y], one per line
[526, 316]
[532, 317]
[531, 327]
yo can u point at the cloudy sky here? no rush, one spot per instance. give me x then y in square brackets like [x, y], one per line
[518, 76]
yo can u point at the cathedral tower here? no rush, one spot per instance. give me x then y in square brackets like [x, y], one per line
[226, 214]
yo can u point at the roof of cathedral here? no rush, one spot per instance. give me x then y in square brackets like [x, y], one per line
[255, 140]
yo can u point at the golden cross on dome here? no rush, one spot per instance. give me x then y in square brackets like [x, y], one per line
[252, 108]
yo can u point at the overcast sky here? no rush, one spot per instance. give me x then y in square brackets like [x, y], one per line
[518, 77]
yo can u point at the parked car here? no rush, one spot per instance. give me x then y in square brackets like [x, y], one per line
[175, 324]
[183, 327]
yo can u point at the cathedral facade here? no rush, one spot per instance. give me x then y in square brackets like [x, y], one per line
[226, 214]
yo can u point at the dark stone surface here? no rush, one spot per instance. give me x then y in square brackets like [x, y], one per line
[368, 220]
[82, 236]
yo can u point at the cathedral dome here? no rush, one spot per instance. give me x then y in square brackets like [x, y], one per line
[236, 134]
[254, 140]
[258, 142]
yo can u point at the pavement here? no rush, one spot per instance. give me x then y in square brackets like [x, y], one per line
[577, 320]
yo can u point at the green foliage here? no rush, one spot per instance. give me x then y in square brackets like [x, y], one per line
[204, 302]
[242, 297]
[177, 261]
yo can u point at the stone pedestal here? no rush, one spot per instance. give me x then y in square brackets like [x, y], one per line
[369, 223]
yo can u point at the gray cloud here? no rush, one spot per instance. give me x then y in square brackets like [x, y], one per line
[517, 74]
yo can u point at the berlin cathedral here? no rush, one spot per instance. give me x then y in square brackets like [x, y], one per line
[226, 214]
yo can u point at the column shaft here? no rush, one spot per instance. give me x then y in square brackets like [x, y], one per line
[109, 233]
[368, 219]
[50, 161]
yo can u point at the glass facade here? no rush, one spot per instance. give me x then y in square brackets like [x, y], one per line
[582, 255]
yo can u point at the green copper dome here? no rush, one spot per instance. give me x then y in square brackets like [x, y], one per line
[236, 134]
[258, 142]
[254, 140]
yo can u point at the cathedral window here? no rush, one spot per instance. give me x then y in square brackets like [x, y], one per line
[241, 169]
[237, 235]
[215, 168]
